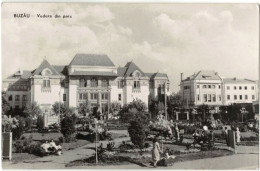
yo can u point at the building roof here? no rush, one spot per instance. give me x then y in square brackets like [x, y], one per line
[62, 69]
[156, 75]
[130, 68]
[94, 73]
[121, 71]
[204, 75]
[24, 75]
[92, 60]
[43, 65]
[237, 80]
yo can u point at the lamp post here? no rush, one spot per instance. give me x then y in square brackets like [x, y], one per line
[243, 111]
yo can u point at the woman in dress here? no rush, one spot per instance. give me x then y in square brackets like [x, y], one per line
[238, 135]
[156, 151]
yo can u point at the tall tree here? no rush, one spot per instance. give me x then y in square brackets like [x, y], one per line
[32, 110]
[5, 105]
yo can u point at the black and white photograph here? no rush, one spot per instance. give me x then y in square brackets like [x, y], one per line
[145, 85]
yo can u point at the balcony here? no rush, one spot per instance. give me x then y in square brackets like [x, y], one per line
[136, 90]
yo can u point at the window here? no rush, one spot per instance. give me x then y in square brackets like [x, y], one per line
[213, 86]
[219, 98]
[198, 97]
[10, 98]
[205, 97]
[240, 97]
[235, 97]
[119, 97]
[17, 98]
[228, 97]
[16, 107]
[93, 82]
[246, 97]
[213, 97]
[198, 86]
[209, 99]
[104, 83]
[46, 83]
[83, 83]
[219, 86]
[209, 86]
[240, 87]
[64, 97]
[204, 86]
[104, 96]
[25, 88]
[120, 84]
[228, 87]
[82, 96]
[137, 84]
[93, 96]
[24, 98]
[245, 87]
[252, 87]
[235, 87]
[253, 97]
[185, 87]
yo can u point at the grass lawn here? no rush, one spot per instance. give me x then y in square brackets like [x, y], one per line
[144, 160]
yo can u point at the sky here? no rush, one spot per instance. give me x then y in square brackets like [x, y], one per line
[169, 38]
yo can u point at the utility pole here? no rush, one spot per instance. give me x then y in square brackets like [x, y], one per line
[165, 100]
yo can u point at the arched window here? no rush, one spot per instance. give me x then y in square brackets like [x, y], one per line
[104, 83]
[46, 72]
[93, 82]
[83, 82]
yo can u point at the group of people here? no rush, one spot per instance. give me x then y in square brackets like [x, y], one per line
[237, 135]
[204, 136]
[51, 148]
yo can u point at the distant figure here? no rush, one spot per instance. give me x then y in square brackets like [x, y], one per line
[237, 136]
[226, 135]
[156, 151]
[177, 132]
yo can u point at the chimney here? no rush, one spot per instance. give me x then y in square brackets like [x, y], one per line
[181, 77]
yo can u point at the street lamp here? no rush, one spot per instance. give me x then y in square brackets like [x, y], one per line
[243, 111]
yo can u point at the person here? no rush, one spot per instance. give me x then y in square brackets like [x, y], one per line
[237, 136]
[196, 136]
[177, 133]
[226, 135]
[156, 151]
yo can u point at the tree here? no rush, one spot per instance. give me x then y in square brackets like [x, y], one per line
[68, 127]
[84, 108]
[5, 105]
[129, 111]
[40, 123]
[32, 110]
[60, 108]
[137, 130]
[174, 102]
[115, 108]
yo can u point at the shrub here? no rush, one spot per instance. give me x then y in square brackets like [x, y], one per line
[110, 146]
[137, 130]
[40, 123]
[61, 139]
[68, 127]
[147, 145]
[19, 129]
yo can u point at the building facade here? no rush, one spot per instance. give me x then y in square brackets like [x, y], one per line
[209, 88]
[88, 77]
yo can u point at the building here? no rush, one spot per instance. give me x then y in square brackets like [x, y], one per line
[239, 90]
[203, 87]
[209, 88]
[88, 77]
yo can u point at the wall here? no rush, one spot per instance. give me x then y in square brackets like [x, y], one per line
[249, 92]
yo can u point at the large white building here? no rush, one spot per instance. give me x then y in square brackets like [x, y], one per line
[209, 88]
[88, 77]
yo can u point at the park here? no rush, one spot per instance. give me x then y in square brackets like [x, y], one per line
[126, 136]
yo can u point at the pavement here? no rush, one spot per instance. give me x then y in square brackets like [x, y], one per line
[246, 158]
